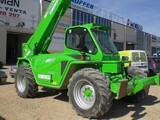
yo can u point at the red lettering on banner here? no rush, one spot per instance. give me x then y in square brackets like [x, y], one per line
[9, 14]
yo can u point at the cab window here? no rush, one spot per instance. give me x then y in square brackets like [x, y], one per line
[80, 39]
[135, 57]
[143, 57]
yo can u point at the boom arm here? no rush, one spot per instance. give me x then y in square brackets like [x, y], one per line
[40, 40]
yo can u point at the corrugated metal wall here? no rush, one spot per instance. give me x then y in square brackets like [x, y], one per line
[120, 39]
[120, 31]
[130, 35]
[140, 44]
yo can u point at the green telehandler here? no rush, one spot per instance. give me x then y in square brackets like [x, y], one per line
[90, 66]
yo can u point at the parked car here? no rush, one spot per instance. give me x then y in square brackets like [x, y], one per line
[3, 77]
[138, 58]
[13, 71]
[154, 63]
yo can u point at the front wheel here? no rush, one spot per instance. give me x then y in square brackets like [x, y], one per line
[25, 83]
[89, 93]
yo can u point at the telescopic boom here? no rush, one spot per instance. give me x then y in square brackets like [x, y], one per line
[41, 38]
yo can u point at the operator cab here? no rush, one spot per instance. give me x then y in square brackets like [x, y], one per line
[91, 39]
[80, 39]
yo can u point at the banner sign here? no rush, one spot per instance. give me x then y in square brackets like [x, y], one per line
[27, 10]
[11, 8]
[83, 6]
[134, 25]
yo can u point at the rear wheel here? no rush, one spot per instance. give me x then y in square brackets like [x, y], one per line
[89, 93]
[25, 83]
[138, 97]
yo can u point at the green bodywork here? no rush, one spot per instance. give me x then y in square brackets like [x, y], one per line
[55, 69]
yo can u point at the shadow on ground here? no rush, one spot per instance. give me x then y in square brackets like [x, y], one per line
[59, 95]
[1, 118]
[6, 83]
[4, 68]
[121, 108]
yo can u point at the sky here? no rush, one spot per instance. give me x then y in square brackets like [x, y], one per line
[143, 12]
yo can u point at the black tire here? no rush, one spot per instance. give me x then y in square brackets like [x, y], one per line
[100, 98]
[25, 84]
[138, 97]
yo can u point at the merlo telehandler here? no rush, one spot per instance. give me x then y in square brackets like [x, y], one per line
[89, 67]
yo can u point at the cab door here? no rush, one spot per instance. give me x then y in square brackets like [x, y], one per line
[78, 41]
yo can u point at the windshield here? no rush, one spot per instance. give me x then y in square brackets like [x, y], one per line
[105, 41]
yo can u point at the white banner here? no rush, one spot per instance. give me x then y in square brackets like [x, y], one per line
[20, 13]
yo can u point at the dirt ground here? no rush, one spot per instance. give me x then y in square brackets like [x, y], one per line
[55, 106]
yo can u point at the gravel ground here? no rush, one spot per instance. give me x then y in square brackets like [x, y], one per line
[55, 106]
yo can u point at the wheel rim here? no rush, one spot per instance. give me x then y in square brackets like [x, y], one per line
[84, 94]
[21, 83]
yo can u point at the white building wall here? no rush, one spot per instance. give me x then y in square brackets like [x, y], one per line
[24, 13]
[130, 35]
[120, 31]
[3, 43]
[21, 16]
